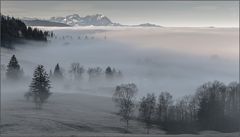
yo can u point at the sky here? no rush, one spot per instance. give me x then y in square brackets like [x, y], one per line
[165, 13]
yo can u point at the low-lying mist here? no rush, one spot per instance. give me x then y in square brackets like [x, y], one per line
[176, 60]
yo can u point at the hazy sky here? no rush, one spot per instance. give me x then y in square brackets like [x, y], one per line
[166, 13]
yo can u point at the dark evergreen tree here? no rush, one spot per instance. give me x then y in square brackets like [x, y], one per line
[40, 86]
[57, 72]
[51, 34]
[14, 71]
[108, 72]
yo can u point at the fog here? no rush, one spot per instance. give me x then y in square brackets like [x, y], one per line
[176, 60]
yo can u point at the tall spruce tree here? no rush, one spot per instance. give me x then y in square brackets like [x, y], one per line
[40, 86]
[14, 72]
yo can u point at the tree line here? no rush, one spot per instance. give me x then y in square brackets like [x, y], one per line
[77, 70]
[13, 30]
[39, 90]
[214, 106]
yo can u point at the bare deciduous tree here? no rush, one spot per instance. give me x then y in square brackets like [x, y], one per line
[76, 70]
[124, 97]
[93, 73]
[164, 102]
[147, 109]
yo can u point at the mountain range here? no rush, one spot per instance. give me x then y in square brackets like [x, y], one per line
[76, 20]
[38, 22]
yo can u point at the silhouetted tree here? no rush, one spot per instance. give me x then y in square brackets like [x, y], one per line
[165, 100]
[109, 72]
[147, 109]
[212, 105]
[40, 87]
[58, 72]
[14, 72]
[233, 99]
[124, 97]
[77, 70]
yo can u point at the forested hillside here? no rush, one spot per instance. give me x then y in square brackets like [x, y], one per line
[14, 30]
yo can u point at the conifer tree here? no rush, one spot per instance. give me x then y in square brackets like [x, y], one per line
[57, 72]
[40, 86]
[14, 71]
[109, 72]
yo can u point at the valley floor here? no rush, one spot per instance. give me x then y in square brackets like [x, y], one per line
[72, 115]
[63, 114]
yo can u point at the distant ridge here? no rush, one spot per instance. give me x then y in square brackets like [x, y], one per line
[37, 22]
[148, 25]
[77, 20]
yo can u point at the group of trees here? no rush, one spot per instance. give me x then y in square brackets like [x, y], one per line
[83, 37]
[112, 72]
[77, 70]
[39, 90]
[219, 106]
[13, 30]
[109, 72]
[40, 86]
[214, 106]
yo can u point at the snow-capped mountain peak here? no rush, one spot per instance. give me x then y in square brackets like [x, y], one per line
[75, 19]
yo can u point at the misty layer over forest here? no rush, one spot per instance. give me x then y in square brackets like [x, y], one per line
[156, 59]
[88, 68]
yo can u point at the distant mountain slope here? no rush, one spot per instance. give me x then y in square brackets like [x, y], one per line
[148, 25]
[37, 22]
[76, 20]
